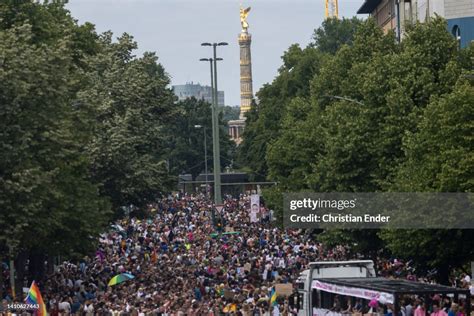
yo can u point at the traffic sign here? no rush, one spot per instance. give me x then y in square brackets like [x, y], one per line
[219, 207]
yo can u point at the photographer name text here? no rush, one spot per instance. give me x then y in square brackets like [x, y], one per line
[339, 218]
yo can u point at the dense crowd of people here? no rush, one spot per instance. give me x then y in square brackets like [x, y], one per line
[188, 261]
[185, 265]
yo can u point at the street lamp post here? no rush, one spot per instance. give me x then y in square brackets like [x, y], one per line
[205, 156]
[213, 110]
[343, 98]
[215, 125]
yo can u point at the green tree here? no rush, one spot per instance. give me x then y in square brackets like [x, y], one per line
[264, 123]
[49, 203]
[439, 158]
[334, 33]
[288, 155]
[186, 142]
[324, 145]
[342, 145]
[230, 113]
[132, 104]
[327, 144]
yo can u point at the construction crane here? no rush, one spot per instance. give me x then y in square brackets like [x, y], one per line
[332, 11]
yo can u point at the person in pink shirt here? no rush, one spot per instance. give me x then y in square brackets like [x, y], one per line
[190, 236]
[420, 309]
[437, 311]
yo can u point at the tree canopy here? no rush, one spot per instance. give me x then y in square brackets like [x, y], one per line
[356, 111]
[86, 128]
[186, 141]
[300, 65]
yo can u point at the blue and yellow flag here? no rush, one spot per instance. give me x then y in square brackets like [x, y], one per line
[273, 297]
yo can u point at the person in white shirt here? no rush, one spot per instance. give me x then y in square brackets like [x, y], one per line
[276, 310]
[281, 263]
[466, 279]
[296, 248]
[64, 306]
[88, 308]
[408, 308]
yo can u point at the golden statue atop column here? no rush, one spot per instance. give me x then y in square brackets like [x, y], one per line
[245, 39]
[243, 18]
[236, 127]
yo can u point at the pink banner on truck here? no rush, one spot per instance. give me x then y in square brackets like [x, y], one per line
[382, 297]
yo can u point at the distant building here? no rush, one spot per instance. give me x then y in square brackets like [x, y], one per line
[191, 89]
[397, 14]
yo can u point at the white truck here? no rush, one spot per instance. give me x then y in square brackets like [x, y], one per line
[308, 295]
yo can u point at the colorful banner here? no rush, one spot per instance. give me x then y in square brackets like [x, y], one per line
[382, 297]
[254, 207]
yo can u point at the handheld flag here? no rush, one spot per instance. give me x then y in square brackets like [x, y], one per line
[273, 297]
[120, 278]
[34, 297]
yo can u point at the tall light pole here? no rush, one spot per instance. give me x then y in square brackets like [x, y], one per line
[343, 98]
[205, 156]
[213, 116]
[215, 126]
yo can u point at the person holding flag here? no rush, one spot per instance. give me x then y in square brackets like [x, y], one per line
[273, 302]
[34, 297]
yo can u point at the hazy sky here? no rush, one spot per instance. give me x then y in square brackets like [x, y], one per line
[174, 30]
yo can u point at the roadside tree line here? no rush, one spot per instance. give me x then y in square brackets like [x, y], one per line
[86, 129]
[355, 111]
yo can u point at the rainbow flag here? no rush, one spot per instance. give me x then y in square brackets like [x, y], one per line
[34, 297]
[273, 297]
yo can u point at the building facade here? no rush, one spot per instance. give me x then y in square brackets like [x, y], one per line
[397, 14]
[197, 91]
[460, 16]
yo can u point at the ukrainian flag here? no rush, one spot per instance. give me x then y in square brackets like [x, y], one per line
[273, 297]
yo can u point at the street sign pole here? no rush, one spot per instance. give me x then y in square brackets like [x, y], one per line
[219, 208]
